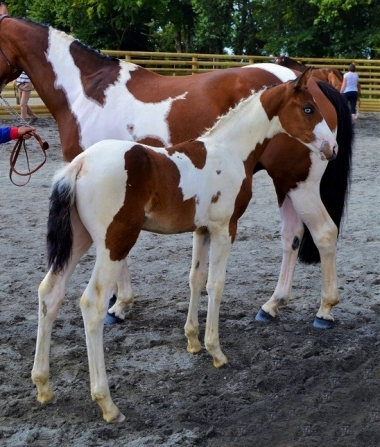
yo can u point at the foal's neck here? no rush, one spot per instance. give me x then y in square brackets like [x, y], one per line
[241, 129]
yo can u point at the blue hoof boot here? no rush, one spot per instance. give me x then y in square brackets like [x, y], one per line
[321, 323]
[263, 316]
[112, 318]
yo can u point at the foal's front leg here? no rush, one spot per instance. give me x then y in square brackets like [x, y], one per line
[220, 248]
[197, 279]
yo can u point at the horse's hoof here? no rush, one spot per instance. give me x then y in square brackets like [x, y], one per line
[322, 323]
[263, 316]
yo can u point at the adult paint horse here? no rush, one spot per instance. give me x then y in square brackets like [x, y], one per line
[328, 74]
[115, 189]
[93, 97]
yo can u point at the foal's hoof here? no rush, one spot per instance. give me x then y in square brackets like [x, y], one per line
[119, 418]
[322, 323]
[111, 318]
[263, 316]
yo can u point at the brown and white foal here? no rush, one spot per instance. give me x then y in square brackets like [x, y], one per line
[115, 189]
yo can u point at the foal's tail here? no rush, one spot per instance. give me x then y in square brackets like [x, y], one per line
[59, 228]
[335, 183]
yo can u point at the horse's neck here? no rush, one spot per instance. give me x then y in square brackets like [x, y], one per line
[296, 65]
[241, 129]
[24, 42]
[31, 54]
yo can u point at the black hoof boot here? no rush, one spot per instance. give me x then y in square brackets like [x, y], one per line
[321, 323]
[263, 316]
[112, 318]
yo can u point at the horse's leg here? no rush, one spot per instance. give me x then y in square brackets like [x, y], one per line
[306, 204]
[291, 235]
[123, 297]
[324, 233]
[94, 304]
[197, 279]
[220, 247]
[51, 294]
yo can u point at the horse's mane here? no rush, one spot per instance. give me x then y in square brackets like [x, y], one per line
[31, 22]
[97, 53]
[77, 42]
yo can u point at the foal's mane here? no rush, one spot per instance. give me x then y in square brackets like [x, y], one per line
[235, 109]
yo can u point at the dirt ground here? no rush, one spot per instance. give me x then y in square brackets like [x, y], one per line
[288, 384]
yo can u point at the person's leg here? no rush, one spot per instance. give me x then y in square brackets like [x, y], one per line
[351, 98]
[354, 100]
[23, 102]
[25, 92]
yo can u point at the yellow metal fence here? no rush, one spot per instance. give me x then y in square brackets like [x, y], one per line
[179, 64]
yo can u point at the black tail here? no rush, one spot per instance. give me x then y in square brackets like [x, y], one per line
[59, 229]
[335, 183]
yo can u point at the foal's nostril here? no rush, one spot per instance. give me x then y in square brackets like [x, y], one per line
[333, 153]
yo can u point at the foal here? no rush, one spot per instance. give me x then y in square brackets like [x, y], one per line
[115, 189]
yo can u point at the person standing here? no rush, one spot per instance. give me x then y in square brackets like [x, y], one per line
[25, 87]
[350, 89]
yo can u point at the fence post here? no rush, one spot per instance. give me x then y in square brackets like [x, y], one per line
[194, 66]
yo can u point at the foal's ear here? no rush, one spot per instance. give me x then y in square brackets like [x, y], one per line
[302, 79]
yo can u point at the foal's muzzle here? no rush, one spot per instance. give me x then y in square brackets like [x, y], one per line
[328, 151]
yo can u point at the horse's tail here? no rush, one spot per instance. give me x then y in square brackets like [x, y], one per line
[335, 183]
[59, 228]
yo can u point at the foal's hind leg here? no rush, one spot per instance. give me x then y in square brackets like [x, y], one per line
[51, 293]
[197, 279]
[124, 296]
[94, 303]
[291, 234]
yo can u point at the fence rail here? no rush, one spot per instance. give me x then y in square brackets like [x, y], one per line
[179, 64]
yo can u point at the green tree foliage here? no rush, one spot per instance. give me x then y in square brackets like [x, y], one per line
[172, 25]
[354, 26]
[309, 28]
[213, 25]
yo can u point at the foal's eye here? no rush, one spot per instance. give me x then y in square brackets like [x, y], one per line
[308, 110]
